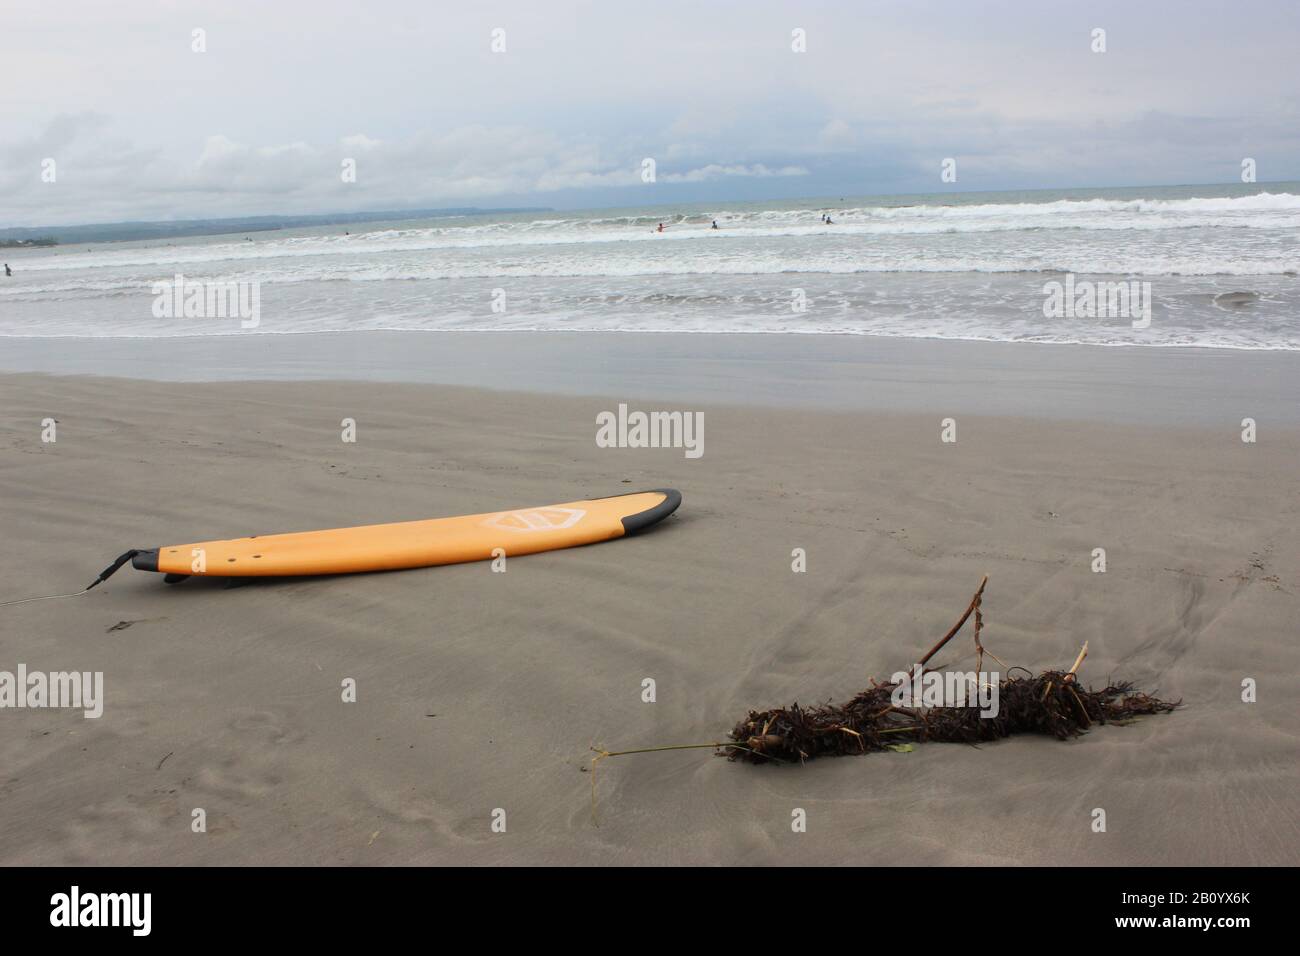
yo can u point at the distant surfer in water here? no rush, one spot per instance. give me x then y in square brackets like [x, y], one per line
[715, 224]
[8, 271]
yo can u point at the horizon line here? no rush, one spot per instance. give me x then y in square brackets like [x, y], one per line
[421, 211]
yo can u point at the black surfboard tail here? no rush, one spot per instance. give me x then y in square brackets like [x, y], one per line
[651, 516]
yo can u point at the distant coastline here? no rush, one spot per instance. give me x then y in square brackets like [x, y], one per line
[22, 236]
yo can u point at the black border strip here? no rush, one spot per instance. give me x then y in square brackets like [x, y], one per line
[300, 907]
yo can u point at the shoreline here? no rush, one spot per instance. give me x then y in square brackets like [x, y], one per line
[736, 333]
[841, 372]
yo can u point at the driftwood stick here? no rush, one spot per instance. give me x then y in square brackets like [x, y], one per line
[974, 603]
[980, 649]
[1083, 652]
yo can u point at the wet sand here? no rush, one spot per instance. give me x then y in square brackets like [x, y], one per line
[838, 372]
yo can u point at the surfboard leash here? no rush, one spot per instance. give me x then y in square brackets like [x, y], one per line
[104, 575]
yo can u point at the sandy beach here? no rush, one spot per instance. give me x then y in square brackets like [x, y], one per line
[479, 691]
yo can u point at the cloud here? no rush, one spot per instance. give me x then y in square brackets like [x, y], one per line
[714, 171]
[466, 165]
[142, 127]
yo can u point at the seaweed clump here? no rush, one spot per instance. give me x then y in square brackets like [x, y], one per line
[1053, 703]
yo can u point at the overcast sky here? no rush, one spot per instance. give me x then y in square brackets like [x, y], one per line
[142, 127]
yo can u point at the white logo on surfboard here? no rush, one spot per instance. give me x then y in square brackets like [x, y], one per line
[536, 519]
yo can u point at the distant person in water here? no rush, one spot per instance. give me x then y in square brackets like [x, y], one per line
[8, 271]
[661, 227]
[715, 224]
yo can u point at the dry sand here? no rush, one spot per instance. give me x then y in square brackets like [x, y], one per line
[479, 691]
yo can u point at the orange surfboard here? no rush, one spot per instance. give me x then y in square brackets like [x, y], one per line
[415, 544]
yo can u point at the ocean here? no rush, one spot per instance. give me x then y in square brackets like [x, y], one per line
[1221, 263]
